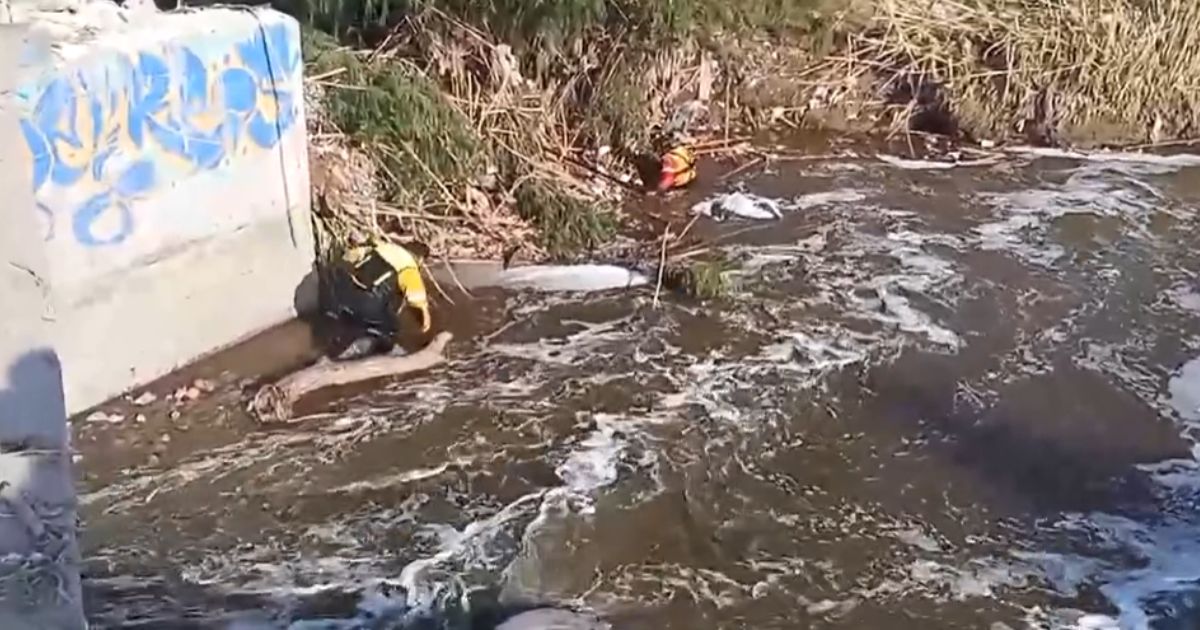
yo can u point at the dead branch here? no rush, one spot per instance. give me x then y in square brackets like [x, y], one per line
[273, 403]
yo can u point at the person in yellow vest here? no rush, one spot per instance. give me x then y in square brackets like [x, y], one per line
[375, 286]
[678, 168]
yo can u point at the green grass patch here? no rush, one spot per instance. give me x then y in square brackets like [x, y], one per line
[706, 279]
[567, 224]
[400, 115]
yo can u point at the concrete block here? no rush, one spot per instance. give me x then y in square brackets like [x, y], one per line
[167, 161]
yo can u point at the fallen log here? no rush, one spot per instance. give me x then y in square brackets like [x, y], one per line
[274, 402]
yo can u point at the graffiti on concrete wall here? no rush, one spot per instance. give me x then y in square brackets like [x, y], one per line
[104, 135]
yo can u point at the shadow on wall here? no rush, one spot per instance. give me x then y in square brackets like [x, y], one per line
[40, 502]
[32, 406]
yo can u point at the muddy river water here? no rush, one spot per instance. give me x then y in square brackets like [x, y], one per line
[939, 398]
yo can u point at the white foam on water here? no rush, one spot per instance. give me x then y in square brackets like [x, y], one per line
[1096, 189]
[1179, 160]
[1186, 298]
[1150, 559]
[922, 274]
[570, 349]
[593, 464]
[980, 577]
[1167, 556]
[1184, 391]
[656, 584]
[909, 164]
[400, 478]
[826, 198]
[425, 580]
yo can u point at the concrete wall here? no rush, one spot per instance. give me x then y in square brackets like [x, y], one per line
[167, 162]
[37, 497]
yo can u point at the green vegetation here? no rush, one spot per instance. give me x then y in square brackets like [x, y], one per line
[405, 119]
[705, 279]
[566, 223]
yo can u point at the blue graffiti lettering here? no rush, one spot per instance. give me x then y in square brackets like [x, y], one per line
[104, 135]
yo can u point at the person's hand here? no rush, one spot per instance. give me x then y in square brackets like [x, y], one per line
[426, 320]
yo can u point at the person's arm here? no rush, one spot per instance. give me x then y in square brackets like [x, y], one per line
[412, 286]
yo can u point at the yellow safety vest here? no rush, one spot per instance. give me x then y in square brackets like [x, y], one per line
[375, 263]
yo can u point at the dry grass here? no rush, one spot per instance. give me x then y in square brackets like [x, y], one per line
[482, 125]
[438, 134]
[1055, 71]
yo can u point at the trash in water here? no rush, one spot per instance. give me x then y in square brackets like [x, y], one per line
[569, 278]
[739, 204]
[146, 398]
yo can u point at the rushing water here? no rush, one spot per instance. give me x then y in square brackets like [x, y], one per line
[941, 398]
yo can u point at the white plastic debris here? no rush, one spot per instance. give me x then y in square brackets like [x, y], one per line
[739, 204]
[569, 278]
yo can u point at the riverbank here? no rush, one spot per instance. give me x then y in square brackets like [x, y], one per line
[497, 131]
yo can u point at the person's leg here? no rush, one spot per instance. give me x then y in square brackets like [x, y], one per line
[361, 315]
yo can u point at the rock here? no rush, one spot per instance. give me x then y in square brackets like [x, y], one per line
[205, 385]
[140, 419]
[145, 399]
[175, 415]
[186, 394]
[100, 416]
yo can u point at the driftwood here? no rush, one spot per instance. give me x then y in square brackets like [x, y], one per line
[273, 403]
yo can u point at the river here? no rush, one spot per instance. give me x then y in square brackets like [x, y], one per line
[939, 398]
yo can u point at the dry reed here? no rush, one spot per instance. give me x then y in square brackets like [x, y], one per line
[1054, 71]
